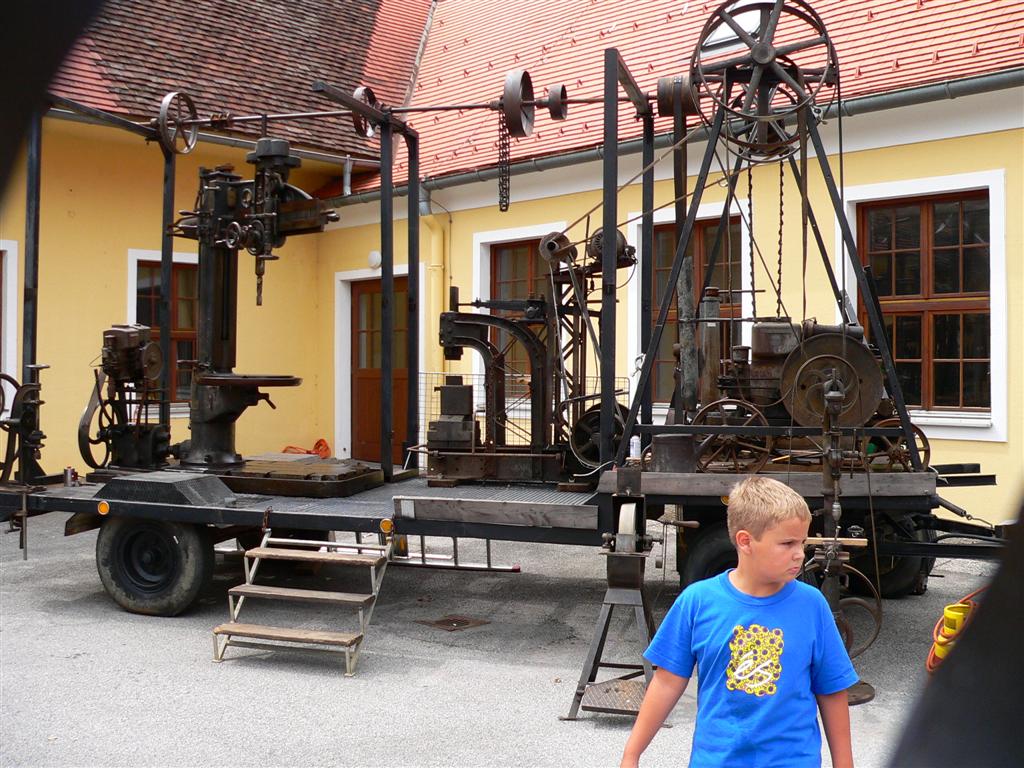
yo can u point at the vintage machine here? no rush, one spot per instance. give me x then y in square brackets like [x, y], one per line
[126, 391]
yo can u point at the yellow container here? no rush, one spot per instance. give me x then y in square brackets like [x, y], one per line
[954, 616]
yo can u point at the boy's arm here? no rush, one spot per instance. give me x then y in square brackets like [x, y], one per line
[662, 694]
[835, 716]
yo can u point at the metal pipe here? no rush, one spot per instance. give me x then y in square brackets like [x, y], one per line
[609, 254]
[387, 266]
[949, 89]
[31, 296]
[168, 378]
[412, 338]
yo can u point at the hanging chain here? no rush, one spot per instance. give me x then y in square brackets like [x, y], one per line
[504, 170]
[750, 228]
[778, 302]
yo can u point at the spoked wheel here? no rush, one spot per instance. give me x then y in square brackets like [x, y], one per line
[860, 618]
[585, 436]
[153, 567]
[892, 454]
[734, 453]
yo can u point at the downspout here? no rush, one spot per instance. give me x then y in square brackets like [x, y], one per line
[949, 89]
[436, 291]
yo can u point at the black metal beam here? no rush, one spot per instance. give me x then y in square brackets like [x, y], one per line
[412, 424]
[760, 431]
[647, 259]
[387, 267]
[168, 380]
[146, 131]
[609, 258]
[31, 295]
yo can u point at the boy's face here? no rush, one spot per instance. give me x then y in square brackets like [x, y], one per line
[778, 555]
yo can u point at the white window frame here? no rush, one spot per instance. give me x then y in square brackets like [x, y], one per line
[954, 425]
[705, 212]
[136, 255]
[9, 364]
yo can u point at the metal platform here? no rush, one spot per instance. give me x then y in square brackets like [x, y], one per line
[614, 697]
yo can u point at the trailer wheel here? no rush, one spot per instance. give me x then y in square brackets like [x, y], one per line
[897, 576]
[153, 567]
[709, 554]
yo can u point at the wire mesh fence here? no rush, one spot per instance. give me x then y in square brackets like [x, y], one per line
[517, 410]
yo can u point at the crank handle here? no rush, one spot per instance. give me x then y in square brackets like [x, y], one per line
[266, 396]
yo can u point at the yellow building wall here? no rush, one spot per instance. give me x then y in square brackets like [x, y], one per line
[101, 195]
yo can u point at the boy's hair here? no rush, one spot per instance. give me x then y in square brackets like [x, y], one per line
[759, 503]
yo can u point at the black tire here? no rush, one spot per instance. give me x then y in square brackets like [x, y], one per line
[709, 554]
[153, 567]
[898, 576]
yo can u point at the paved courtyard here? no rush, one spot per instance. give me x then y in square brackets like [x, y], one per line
[84, 683]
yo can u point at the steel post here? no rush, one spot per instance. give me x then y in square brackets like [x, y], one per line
[608, 256]
[387, 267]
[647, 263]
[412, 428]
[31, 294]
[168, 382]
[685, 311]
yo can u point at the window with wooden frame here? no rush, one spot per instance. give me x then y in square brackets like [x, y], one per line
[726, 275]
[517, 272]
[929, 257]
[184, 315]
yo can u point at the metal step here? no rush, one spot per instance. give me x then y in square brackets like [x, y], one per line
[289, 634]
[301, 595]
[306, 556]
[614, 697]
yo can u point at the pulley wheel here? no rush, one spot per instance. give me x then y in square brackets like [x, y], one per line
[675, 88]
[364, 127]
[729, 452]
[175, 134]
[556, 247]
[517, 103]
[152, 364]
[831, 357]
[891, 454]
[558, 102]
[585, 435]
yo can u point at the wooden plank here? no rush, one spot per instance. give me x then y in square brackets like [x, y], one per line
[808, 485]
[288, 634]
[531, 514]
[307, 556]
[300, 595]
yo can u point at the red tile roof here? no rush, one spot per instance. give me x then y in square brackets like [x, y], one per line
[247, 56]
[883, 45]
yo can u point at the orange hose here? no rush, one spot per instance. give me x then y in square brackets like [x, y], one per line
[933, 660]
[320, 448]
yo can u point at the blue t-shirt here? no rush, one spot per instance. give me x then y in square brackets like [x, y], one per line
[760, 662]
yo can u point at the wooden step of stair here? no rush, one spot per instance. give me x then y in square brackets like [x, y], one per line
[309, 556]
[289, 634]
[301, 595]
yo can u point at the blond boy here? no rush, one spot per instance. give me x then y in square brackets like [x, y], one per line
[766, 646]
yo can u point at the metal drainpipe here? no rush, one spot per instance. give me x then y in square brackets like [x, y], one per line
[346, 177]
[435, 273]
[949, 89]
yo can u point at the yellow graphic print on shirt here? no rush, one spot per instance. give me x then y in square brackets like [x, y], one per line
[756, 661]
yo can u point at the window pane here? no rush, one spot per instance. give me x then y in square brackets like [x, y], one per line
[909, 376]
[664, 248]
[401, 309]
[364, 312]
[946, 332]
[399, 350]
[148, 282]
[908, 336]
[887, 323]
[185, 349]
[880, 229]
[946, 270]
[976, 335]
[363, 353]
[186, 315]
[375, 349]
[908, 227]
[145, 311]
[882, 271]
[975, 221]
[908, 273]
[186, 280]
[946, 224]
[976, 277]
[946, 377]
[976, 385]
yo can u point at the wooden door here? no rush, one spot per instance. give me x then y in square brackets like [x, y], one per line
[367, 339]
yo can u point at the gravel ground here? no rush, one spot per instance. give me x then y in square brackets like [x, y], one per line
[85, 683]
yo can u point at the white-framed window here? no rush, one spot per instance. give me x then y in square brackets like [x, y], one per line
[928, 203]
[143, 303]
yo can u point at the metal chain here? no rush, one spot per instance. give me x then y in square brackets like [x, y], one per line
[504, 169]
[750, 228]
[778, 303]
